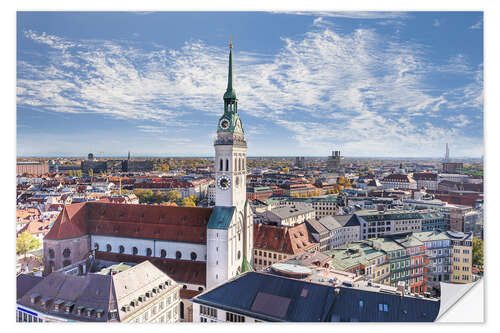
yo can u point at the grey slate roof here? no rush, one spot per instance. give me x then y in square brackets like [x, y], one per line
[275, 298]
[315, 227]
[331, 222]
[298, 208]
[95, 291]
[25, 282]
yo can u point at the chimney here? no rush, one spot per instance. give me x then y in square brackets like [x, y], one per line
[401, 288]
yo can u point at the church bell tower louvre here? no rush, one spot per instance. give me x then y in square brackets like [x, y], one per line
[229, 244]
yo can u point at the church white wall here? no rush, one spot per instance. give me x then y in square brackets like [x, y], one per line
[155, 245]
[217, 256]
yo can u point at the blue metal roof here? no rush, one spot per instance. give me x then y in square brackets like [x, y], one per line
[302, 301]
[221, 217]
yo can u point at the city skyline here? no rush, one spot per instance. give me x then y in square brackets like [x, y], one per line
[87, 83]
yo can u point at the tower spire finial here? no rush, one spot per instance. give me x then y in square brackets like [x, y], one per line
[230, 93]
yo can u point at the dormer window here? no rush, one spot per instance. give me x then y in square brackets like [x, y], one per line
[68, 307]
[89, 312]
[34, 298]
[58, 304]
[79, 310]
[99, 313]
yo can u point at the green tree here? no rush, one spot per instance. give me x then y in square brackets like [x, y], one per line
[188, 202]
[26, 242]
[477, 252]
[145, 196]
[173, 196]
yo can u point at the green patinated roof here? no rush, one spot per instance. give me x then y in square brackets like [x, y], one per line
[352, 255]
[118, 268]
[230, 93]
[245, 267]
[221, 217]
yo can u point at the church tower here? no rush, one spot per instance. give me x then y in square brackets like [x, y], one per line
[230, 229]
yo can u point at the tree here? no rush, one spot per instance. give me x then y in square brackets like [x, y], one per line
[173, 196]
[477, 252]
[26, 242]
[145, 196]
[187, 202]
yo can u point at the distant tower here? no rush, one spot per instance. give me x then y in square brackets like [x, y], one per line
[335, 163]
[447, 155]
[128, 158]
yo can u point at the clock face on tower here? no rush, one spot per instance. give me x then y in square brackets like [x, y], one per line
[224, 124]
[224, 183]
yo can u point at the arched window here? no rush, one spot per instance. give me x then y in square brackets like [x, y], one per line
[235, 164]
[178, 255]
[52, 254]
[239, 254]
[108, 248]
[221, 165]
[66, 253]
[193, 256]
[227, 164]
[163, 253]
[239, 164]
[200, 288]
[149, 252]
[51, 266]
[66, 263]
[181, 310]
[122, 249]
[96, 246]
[134, 250]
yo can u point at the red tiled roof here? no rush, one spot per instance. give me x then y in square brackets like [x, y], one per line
[36, 227]
[292, 240]
[188, 294]
[182, 271]
[181, 224]
[70, 223]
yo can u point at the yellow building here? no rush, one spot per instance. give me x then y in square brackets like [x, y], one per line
[462, 261]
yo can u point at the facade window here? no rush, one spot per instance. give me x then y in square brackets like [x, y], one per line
[193, 256]
[234, 318]
[227, 164]
[52, 254]
[66, 263]
[221, 165]
[208, 311]
[178, 255]
[96, 246]
[134, 250]
[163, 253]
[66, 253]
[149, 252]
[122, 249]
[108, 248]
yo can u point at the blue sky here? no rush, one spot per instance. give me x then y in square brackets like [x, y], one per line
[366, 83]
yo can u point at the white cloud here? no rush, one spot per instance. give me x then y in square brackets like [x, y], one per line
[478, 25]
[350, 14]
[324, 87]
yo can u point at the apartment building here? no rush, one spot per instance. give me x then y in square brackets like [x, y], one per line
[96, 291]
[461, 257]
[361, 259]
[273, 244]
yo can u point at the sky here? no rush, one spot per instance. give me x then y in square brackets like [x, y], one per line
[370, 84]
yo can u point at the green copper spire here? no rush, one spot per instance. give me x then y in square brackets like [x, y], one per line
[230, 93]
